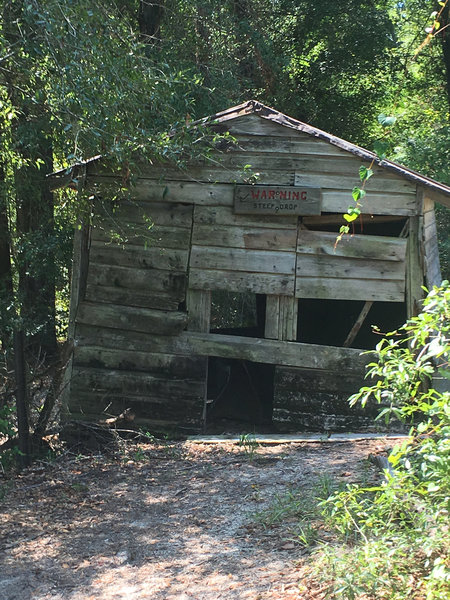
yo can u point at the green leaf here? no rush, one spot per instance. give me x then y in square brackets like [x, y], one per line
[380, 148]
[386, 121]
[344, 228]
[358, 193]
[350, 218]
[365, 173]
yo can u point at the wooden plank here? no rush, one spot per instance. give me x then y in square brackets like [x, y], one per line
[224, 215]
[375, 203]
[152, 412]
[242, 281]
[358, 246]
[357, 326]
[337, 163]
[336, 220]
[350, 289]
[253, 238]
[142, 212]
[238, 259]
[300, 143]
[170, 282]
[384, 183]
[186, 192]
[199, 310]
[272, 328]
[130, 297]
[210, 181]
[255, 125]
[133, 382]
[289, 322]
[156, 363]
[188, 343]
[414, 268]
[432, 265]
[135, 319]
[309, 356]
[330, 266]
[139, 257]
[157, 237]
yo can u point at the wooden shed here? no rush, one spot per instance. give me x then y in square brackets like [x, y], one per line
[225, 296]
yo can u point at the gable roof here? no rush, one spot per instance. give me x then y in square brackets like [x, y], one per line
[66, 177]
[265, 112]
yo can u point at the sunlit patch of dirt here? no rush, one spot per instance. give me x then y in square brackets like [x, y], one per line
[165, 522]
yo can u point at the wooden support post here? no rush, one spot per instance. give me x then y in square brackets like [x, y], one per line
[357, 326]
[414, 267]
[199, 310]
[281, 318]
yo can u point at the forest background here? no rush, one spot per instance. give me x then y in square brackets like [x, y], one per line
[79, 78]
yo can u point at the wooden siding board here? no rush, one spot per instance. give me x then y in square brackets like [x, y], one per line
[133, 382]
[432, 265]
[243, 281]
[129, 297]
[349, 268]
[150, 280]
[251, 238]
[139, 257]
[156, 363]
[350, 289]
[177, 238]
[357, 246]
[145, 213]
[239, 259]
[132, 318]
[223, 216]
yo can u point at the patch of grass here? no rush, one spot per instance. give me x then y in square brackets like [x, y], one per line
[249, 444]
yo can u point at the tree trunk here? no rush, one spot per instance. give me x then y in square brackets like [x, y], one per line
[445, 40]
[21, 399]
[6, 282]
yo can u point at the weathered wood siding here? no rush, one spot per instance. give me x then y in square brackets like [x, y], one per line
[137, 286]
[432, 265]
[142, 318]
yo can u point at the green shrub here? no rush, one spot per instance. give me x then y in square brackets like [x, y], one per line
[396, 533]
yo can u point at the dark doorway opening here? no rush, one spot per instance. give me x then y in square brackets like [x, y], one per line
[240, 393]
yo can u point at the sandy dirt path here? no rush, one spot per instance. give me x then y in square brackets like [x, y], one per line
[165, 522]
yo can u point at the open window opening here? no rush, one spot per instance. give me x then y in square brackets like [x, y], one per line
[238, 313]
[240, 392]
[329, 322]
[385, 225]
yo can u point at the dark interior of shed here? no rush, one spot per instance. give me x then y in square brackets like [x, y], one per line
[328, 322]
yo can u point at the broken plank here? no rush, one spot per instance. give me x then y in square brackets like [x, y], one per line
[357, 326]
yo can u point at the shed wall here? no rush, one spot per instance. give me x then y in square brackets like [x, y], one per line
[142, 321]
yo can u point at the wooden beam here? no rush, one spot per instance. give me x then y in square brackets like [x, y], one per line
[414, 267]
[357, 326]
[199, 310]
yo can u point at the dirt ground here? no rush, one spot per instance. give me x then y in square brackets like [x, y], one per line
[165, 521]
